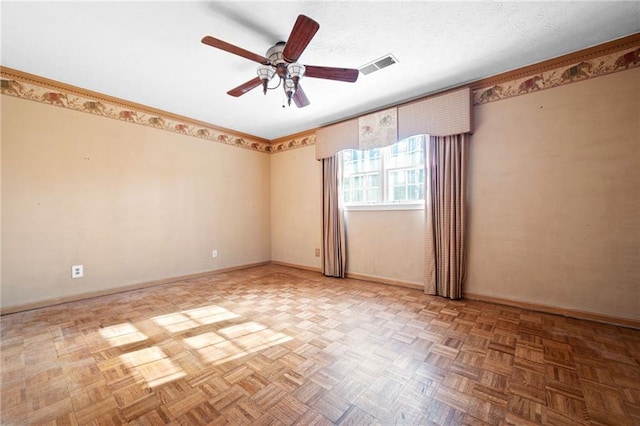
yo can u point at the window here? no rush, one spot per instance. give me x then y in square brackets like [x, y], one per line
[393, 175]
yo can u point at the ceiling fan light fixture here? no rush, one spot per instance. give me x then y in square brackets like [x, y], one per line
[266, 73]
[296, 71]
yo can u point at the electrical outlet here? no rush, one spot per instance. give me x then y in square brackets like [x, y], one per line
[214, 254]
[77, 271]
[317, 252]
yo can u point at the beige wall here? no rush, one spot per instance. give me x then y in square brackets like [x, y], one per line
[130, 203]
[555, 197]
[386, 244]
[554, 203]
[394, 251]
[296, 207]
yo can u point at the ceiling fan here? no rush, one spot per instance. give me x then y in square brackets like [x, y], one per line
[282, 60]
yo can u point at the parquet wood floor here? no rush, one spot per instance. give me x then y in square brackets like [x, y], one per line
[275, 345]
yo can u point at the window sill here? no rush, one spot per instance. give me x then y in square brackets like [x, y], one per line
[376, 207]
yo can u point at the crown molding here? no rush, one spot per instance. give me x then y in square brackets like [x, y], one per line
[39, 89]
[573, 58]
[611, 57]
[614, 56]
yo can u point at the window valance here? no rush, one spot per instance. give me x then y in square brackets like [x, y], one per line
[332, 139]
[440, 115]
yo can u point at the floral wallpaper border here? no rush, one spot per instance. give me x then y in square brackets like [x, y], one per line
[14, 83]
[578, 71]
[286, 144]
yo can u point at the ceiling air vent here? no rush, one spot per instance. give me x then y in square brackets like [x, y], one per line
[378, 64]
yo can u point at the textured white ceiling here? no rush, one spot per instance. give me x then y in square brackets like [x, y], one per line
[150, 52]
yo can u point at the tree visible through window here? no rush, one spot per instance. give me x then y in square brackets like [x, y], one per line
[390, 175]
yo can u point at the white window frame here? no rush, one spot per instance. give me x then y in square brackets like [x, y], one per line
[383, 195]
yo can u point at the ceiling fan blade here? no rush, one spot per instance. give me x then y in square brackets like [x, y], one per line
[228, 47]
[245, 87]
[301, 34]
[349, 75]
[300, 98]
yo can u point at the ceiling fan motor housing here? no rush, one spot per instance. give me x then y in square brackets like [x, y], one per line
[274, 54]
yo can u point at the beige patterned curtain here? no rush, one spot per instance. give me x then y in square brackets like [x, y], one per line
[445, 215]
[333, 235]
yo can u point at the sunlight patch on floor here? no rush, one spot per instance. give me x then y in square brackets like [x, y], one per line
[192, 318]
[202, 340]
[122, 334]
[153, 365]
[221, 352]
[261, 340]
[242, 329]
[219, 346]
[242, 339]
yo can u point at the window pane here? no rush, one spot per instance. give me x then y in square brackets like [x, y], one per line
[414, 176]
[363, 188]
[360, 161]
[399, 193]
[406, 185]
[414, 192]
[397, 177]
[408, 152]
[398, 168]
